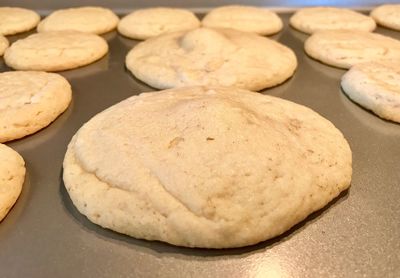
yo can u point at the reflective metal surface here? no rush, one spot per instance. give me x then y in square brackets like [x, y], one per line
[357, 235]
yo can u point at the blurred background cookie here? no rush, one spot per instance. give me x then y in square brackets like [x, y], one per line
[146, 23]
[387, 16]
[55, 51]
[94, 20]
[244, 18]
[344, 48]
[313, 19]
[17, 20]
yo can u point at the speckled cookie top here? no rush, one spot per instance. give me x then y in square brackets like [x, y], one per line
[221, 163]
[375, 86]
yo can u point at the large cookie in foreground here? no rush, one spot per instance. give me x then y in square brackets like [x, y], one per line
[216, 57]
[205, 166]
[12, 176]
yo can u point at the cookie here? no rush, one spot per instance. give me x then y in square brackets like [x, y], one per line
[17, 20]
[95, 20]
[344, 49]
[12, 176]
[375, 86]
[146, 23]
[30, 101]
[211, 167]
[244, 18]
[207, 56]
[387, 16]
[55, 51]
[3, 44]
[311, 20]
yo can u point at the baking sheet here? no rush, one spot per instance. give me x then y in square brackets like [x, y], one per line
[357, 235]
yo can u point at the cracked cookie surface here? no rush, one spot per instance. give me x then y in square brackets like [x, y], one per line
[218, 57]
[29, 101]
[55, 51]
[205, 166]
[12, 175]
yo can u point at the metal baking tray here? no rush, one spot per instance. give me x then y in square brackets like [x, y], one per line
[356, 235]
